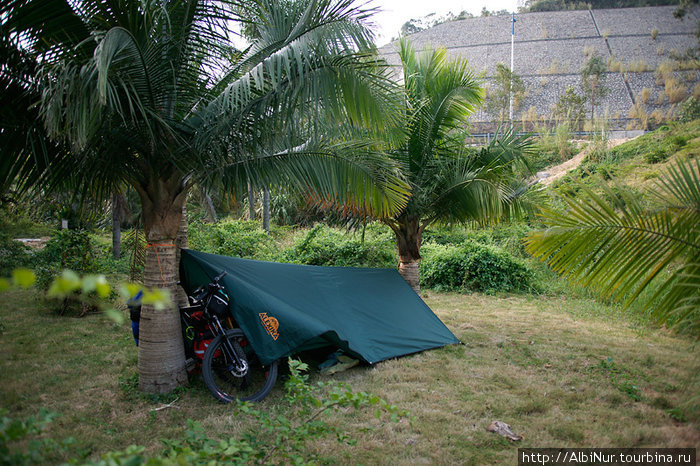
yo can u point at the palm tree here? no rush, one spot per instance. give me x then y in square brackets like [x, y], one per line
[449, 182]
[154, 94]
[621, 248]
[26, 150]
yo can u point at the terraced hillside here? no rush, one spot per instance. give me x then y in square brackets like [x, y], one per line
[551, 48]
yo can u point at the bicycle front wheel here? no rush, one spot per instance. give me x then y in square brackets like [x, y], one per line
[228, 379]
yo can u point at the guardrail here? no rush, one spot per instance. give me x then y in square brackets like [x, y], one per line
[485, 138]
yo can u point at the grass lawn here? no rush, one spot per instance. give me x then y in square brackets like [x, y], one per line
[558, 375]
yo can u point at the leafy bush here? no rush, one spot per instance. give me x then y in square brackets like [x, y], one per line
[67, 249]
[324, 246]
[656, 155]
[13, 255]
[472, 266]
[321, 245]
[658, 140]
[689, 110]
[241, 238]
[553, 146]
[104, 259]
[453, 236]
[507, 236]
[551, 149]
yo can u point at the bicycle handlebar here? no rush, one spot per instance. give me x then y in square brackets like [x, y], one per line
[200, 293]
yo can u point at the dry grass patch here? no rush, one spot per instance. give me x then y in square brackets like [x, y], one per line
[639, 116]
[665, 71]
[538, 365]
[675, 90]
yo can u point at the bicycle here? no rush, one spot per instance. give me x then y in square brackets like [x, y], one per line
[214, 344]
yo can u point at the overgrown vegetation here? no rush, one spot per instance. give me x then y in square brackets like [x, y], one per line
[238, 239]
[67, 249]
[13, 255]
[472, 266]
[552, 147]
[634, 164]
[324, 246]
[489, 259]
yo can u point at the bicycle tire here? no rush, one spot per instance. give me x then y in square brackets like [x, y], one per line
[226, 386]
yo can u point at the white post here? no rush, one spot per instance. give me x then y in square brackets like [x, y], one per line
[510, 92]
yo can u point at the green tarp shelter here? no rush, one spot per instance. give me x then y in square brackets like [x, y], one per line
[372, 314]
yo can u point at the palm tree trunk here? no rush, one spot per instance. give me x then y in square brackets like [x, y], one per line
[409, 270]
[408, 241]
[211, 211]
[266, 211]
[182, 242]
[251, 202]
[161, 351]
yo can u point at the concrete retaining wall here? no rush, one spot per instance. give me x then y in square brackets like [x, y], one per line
[551, 48]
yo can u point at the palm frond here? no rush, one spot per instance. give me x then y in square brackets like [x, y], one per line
[620, 250]
[309, 60]
[350, 176]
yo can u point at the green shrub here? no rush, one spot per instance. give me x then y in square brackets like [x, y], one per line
[656, 155]
[507, 236]
[689, 110]
[325, 246]
[67, 249]
[13, 255]
[606, 170]
[104, 259]
[235, 238]
[472, 266]
[679, 140]
[453, 236]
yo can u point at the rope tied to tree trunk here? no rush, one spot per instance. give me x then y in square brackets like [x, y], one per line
[157, 245]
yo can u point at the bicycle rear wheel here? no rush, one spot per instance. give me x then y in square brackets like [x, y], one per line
[228, 382]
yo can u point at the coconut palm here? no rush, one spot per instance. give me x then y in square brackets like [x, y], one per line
[153, 93]
[621, 248]
[449, 182]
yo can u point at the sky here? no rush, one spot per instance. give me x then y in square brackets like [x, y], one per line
[396, 12]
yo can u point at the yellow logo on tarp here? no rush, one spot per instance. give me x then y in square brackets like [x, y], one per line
[271, 325]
